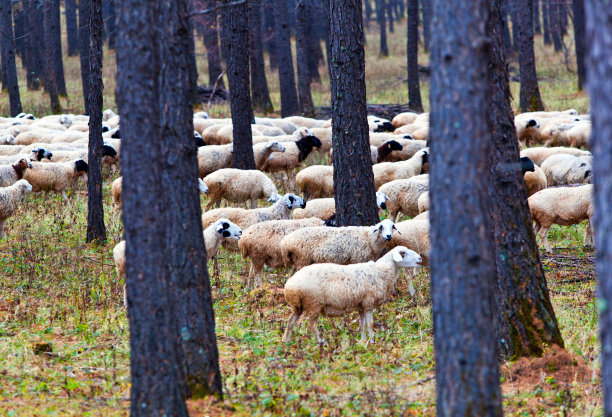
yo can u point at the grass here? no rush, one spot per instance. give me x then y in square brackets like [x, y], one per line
[56, 289]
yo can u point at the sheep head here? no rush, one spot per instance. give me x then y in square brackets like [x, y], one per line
[405, 257]
[227, 229]
[42, 153]
[381, 200]
[292, 201]
[80, 166]
[527, 165]
[385, 229]
[202, 186]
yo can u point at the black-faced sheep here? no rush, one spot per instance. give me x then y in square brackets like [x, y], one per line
[389, 171]
[10, 198]
[295, 153]
[55, 176]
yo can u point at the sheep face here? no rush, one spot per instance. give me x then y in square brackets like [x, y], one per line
[303, 132]
[42, 153]
[385, 228]
[24, 184]
[292, 201]
[313, 141]
[108, 150]
[405, 257]
[527, 165]
[22, 164]
[381, 200]
[227, 229]
[393, 145]
[202, 186]
[275, 146]
[532, 123]
[81, 166]
[383, 125]
[198, 139]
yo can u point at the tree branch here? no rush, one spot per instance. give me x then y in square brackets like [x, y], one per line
[214, 9]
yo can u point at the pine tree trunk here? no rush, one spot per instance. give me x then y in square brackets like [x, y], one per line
[84, 49]
[111, 24]
[368, 12]
[354, 192]
[525, 319]
[302, 34]
[235, 39]
[211, 42]
[20, 26]
[389, 12]
[530, 99]
[546, 22]
[426, 6]
[461, 257]
[72, 28]
[563, 18]
[259, 85]
[270, 33]
[34, 44]
[315, 29]
[286, 74]
[599, 84]
[579, 35]
[49, 56]
[8, 57]
[554, 17]
[506, 34]
[54, 42]
[382, 25]
[326, 21]
[537, 27]
[193, 68]
[414, 91]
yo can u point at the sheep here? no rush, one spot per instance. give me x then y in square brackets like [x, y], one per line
[389, 171]
[380, 154]
[324, 208]
[69, 155]
[539, 154]
[225, 134]
[7, 139]
[107, 114]
[579, 135]
[260, 242]
[307, 122]
[238, 185]
[69, 137]
[316, 181]
[559, 134]
[213, 158]
[10, 174]
[209, 134]
[404, 195]
[8, 150]
[423, 201]
[378, 124]
[117, 188]
[342, 245]
[198, 139]
[537, 129]
[10, 197]
[295, 153]
[36, 135]
[564, 206]
[55, 176]
[535, 181]
[200, 114]
[262, 151]
[335, 290]
[413, 234]
[285, 125]
[404, 118]
[566, 169]
[34, 155]
[409, 148]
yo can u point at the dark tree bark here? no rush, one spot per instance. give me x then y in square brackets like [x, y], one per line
[111, 23]
[462, 261]
[8, 57]
[72, 29]
[84, 49]
[50, 55]
[313, 39]
[382, 25]
[562, 18]
[426, 6]
[525, 319]
[211, 42]
[302, 33]
[193, 68]
[579, 35]
[20, 26]
[326, 20]
[96, 230]
[53, 41]
[554, 20]
[546, 22]
[236, 51]
[259, 85]
[414, 91]
[389, 12]
[368, 12]
[599, 82]
[172, 336]
[34, 44]
[354, 192]
[286, 75]
[270, 34]
[537, 27]
[530, 99]
[513, 5]
[506, 34]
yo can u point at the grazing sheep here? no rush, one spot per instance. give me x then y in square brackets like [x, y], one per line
[409, 148]
[213, 158]
[262, 151]
[535, 181]
[342, 245]
[285, 125]
[380, 154]
[307, 122]
[413, 234]
[411, 128]
[558, 134]
[35, 155]
[423, 201]
[41, 135]
[239, 185]
[261, 243]
[8, 150]
[225, 134]
[198, 139]
[200, 114]
[579, 135]
[334, 290]
[539, 154]
[564, 169]
[404, 118]
[378, 124]
[404, 195]
[108, 114]
[10, 197]
[69, 155]
[55, 176]
[295, 153]
[10, 174]
[324, 208]
[564, 206]
[316, 181]
[389, 171]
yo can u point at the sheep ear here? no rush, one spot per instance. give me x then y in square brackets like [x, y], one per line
[397, 256]
[398, 232]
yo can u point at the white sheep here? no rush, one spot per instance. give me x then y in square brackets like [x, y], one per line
[564, 206]
[238, 185]
[10, 198]
[334, 290]
[404, 118]
[316, 181]
[389, 171]
[7, 139]
[342, 245]
[564, 169]
[295, 153]
[404, 195]
[307, 122]
[10, 174]
[539, 154]
[213, 158]
[261, 152]
[378, 124]
[423, 202]
[535, 181]
[324, 208]
[55, 176]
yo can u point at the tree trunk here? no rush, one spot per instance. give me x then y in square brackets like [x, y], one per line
[546, 22]
[111, 24]
[211, 42]
[599, 82]
[53, 41]
[579, 34]
[506, 34]
[382, 21]
[563, 18]
[537, 27]
[426, 5]
[270, 34]
[8, 57]
[525, 319]
[389, 12]
[326, 20]
[414, 91]
[20, 26]
[461, 259]
[96, 231]
[354, 192]
[554, 19]
[259, 84]
[72, 29]
[314, 30]
[302, 33]
[49, 56]
[193, 68]
[236, 51]
[84, 48]
[368, 12]
[286, 75]
[34, 44]
[530, 99]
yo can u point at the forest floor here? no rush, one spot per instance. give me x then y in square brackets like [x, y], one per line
[64, 340]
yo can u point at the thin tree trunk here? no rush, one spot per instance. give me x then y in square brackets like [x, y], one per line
[315, 29]
[506, 33]
[34, 45]
[72, 28]
[530, 99]
[382, 22]
[579, 34]
[84, 49]
[414, 91]
[8, 57]
[193, 68]
[302, 51]
[599, 84]
[20, 26]
[49, 56]
[368, 12]
[235, 39]
[270, 34]
[525, 318]
[111, 24]
[546, 22]
[286, 74]
[354, 192]
[96, 231]
[426, 6]
[389, 12]
[326, 20]
[211, 42]
[259, 84]
[54, 42]
[563, 18]
[554, 19]
[461, 259]
[537, 27]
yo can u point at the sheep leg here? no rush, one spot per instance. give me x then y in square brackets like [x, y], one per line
[588, 235]
[2, 234]
[216, 273]
[45, 197]
[291, 324]
[410, 277]
[370, 324]
[312, 326]
[362, 326]
[125, 295]
[210, 205]
[543, 232]
[253, 203]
